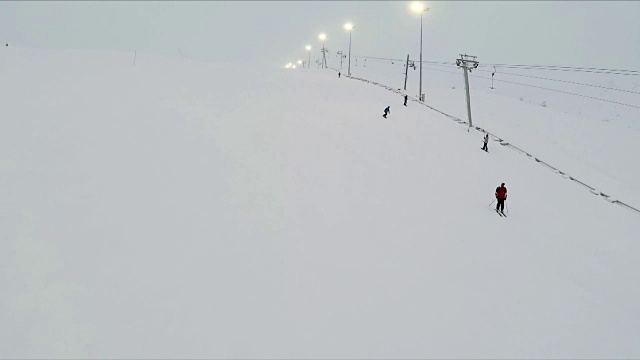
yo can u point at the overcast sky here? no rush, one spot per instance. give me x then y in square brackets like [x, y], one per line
[574, 33]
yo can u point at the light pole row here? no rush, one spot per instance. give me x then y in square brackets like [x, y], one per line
[324, 50]
[349, 26]
[420, 8]
[417, 7]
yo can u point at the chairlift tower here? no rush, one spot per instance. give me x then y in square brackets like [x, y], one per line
[324, 57]
[342, 57]
[467, 63]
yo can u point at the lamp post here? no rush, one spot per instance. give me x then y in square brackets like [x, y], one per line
[419, 7]
[349, 26]
[323, 37]
[308, 48]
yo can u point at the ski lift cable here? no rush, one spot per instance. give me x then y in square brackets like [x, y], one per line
[540, 87]
[604, 71]
[403, 60]
[529, 67]
[565, 81]
[549, 67]
[538, 67]
[561, 91]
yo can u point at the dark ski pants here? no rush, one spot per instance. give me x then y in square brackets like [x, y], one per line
[405, 103]
[484, 147]
[500, 205]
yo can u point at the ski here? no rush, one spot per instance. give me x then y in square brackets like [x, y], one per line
[500, 213]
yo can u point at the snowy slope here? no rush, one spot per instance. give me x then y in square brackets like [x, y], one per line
[591, 140]
[187, 209]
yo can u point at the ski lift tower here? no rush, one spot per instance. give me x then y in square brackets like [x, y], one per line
[467, 62]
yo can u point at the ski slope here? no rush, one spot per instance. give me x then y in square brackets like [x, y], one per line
[188, 209]
[588, 139]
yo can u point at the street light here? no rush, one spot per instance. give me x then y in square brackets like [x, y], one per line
[349, 26]
[323, 37]
[417, 7]
[420, 8]
[308, 48]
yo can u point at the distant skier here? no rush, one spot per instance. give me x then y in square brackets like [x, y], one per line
[501, 196]
[486, 141]
[387, 110]
[338, 74]
[405, 100]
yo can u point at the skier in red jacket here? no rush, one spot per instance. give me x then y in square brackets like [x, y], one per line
[501, 196]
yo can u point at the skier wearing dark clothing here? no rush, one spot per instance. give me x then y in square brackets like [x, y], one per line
[338, 74]
[405, 100]
[486, 141]
[501, 196]
[387, 110]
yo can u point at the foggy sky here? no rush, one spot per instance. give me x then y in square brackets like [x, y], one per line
[571, 33]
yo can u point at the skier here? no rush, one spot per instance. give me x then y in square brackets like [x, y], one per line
[486, 141]
[338, 74]
[405, 100]
[387, 111]
[501, 196]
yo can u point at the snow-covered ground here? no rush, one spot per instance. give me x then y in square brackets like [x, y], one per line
[591, 140]
[188, 209]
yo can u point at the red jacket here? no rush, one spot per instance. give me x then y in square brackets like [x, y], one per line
[501, 192]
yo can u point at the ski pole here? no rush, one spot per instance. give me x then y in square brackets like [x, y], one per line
[507, 207]
[494, 200]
